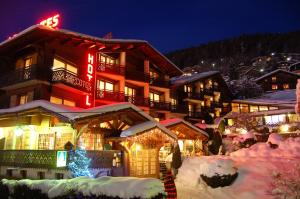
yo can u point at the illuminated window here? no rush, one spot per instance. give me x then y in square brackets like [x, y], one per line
[69, 103]
[217, 96]
[107, 60]
[263, 108]
[28, 62]
[274, 87]
[23, 99]
[104, 85]
[154, 97]
[46, 141]
[244, 108]
[62, 139]
[253, 108]
[56, 100]
[275, 119]
[274, 79]
[235, 107]
[58, 65]
[173, 102]
[230, 122]
[130, 91]
[273, 108]
[153, 74]
[201, 85]
[286, 86]
[187, 89]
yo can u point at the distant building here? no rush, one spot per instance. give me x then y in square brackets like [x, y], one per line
[199, 94]
[278, 80]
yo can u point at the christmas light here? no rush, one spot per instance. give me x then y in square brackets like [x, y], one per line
[79, 163]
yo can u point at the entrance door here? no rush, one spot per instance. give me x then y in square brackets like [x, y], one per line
[143, 162]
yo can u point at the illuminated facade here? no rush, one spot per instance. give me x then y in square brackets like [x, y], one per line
[200, 94]
[77, 70]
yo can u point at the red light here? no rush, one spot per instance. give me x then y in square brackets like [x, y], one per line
[51, 22]
[90, 67]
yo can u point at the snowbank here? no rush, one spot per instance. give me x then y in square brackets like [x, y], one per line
[275, 138]
[255, 165]
[123, 187]
[290, 148]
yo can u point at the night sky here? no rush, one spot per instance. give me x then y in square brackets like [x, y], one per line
[166, 24]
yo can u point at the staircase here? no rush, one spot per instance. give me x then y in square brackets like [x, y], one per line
[168, 180]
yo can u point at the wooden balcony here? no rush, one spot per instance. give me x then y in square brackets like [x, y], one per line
[137, 75]
[194, 95]
[138, 101]
[160, 82]
[110, 96]
[111, 68]
[160, 105]
[47, 158]
[65, 77]
[22, 75]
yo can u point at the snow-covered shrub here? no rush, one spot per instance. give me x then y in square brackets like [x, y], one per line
[218, 172]
[286, 184]
[24, 192]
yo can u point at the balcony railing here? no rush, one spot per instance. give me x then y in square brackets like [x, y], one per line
[137, 75]
[66, 77]
[22, 75]
[47, 158]
[139, 101]
[111, 68]
[160, 82]
[160, 105]
[110, 95]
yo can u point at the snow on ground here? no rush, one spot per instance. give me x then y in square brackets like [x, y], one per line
[256, 166]
[123, 187]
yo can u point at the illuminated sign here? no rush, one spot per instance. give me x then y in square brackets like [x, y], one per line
[90, 75]
[61, 158]
[51, 22]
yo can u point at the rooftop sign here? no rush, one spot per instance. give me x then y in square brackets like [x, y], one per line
[51, 22]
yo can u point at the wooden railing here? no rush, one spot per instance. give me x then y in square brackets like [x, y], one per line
[110, 95]
[137, 75]
[22, 75]
[138, 101]
[47, 158]
[66, 77]
[111, 68]
[160, 105]
[160, 82]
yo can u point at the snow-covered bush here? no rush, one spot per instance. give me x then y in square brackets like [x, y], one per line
[286, 184]
[84, 187]
[235, 142]
[4, 191]
[218, 172]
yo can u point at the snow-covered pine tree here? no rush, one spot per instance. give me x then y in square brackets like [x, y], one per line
[79, 163]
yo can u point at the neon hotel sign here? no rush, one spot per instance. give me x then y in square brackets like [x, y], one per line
[52, 22]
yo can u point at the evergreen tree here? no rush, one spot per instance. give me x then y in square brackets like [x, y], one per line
[79, 163]
[176, 158]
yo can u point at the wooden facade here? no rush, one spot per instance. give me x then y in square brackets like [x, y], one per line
[278, 80]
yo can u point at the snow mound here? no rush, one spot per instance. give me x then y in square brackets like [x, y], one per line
[289, 148]
[275, 138]
[123, 187]
[220, 167]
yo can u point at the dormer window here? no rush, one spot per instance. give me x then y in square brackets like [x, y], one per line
[274, 79]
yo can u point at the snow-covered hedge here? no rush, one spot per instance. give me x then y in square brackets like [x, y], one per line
[84, 187]
[214, 171]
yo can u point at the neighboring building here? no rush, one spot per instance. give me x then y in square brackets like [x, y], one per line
[295, 68]
[270, 109]
[278, 80]
[199, 94]
[78, 70]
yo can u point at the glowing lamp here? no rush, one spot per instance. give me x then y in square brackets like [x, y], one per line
[18, 131]
[1, 133]
[138, 147]
[284, 128]
[180, 143]
[61, 158]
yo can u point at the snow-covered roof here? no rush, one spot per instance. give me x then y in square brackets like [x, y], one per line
[283, 98]
[134, 130]
[170, 122]
[183, 79]
[276, 71]
[91, 38]
[72, 113]
[262, 113]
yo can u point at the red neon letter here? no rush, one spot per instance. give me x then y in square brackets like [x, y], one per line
[51, 22]
[87, 100]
